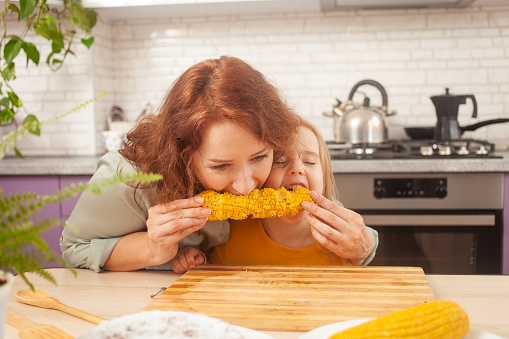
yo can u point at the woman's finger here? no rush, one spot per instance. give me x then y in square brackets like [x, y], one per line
[174, 226]
[179, 235]
[324, 241]
[327, 218]
[332, 233]
[155, 219]
[176, 205]
[328, 205]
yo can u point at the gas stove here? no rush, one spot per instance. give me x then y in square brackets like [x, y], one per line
[414, 149]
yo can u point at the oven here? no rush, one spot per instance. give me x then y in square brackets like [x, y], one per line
[446, 223]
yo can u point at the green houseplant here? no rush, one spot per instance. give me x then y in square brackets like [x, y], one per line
[62, 26]
[21, 248]
[59, 26]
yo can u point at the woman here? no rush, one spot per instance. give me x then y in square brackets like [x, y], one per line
[219, 127]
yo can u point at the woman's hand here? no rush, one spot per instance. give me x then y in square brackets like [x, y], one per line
[168, 223]
[186, 259]
[339, 229]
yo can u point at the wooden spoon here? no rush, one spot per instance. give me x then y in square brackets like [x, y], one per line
[45, 300]
[29, 329]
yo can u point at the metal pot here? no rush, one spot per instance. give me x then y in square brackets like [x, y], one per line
[422, 133]
[361, 124]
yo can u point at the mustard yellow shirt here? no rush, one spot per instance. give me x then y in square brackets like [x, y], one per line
[249, 244]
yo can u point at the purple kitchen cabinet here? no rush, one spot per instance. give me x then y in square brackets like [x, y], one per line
[505, 254]
[41, 185]
[46, 185]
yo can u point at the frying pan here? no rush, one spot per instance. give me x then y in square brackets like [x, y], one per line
[421, 133]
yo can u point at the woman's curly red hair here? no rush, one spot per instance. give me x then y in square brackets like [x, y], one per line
[210, 91]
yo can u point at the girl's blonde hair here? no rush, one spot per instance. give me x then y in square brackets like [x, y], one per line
[329, 183]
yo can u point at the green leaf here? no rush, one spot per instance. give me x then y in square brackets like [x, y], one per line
[8, 71]
[47, 28]
[56, 47]
[12, 49]
[14, 99]
[14, 9]
[84, 17]
[31, 52]
[27, 7]
[32, 124]
[18, 153]
[88, 42]
[6, 115]
[5, 102]
[56, 61]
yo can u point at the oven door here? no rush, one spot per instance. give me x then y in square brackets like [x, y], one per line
[441, 242]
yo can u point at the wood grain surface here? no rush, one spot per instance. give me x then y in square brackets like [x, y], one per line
[294, 298]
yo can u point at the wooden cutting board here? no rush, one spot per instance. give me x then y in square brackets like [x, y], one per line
[294, 298]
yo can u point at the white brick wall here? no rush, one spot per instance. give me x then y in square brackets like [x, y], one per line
[313, 57]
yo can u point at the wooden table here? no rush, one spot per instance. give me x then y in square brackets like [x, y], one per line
[114, 294]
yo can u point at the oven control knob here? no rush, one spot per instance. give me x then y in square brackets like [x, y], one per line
[379, 192]
[441, 191]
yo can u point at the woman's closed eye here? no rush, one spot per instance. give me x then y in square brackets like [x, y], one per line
[220, 168]
[260, 158]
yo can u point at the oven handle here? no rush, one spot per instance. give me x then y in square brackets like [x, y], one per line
[429, 220]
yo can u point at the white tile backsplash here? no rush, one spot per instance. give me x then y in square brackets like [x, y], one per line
[313, 57]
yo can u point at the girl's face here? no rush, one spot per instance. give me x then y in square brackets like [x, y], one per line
[300, 167]
[231, 159]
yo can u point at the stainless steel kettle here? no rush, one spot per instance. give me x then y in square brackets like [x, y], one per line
[362, 124]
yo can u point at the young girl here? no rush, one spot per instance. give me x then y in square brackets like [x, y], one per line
[324, 234]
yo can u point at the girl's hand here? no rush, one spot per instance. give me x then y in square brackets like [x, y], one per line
[186, 259]
[339, 229]
[168, 223]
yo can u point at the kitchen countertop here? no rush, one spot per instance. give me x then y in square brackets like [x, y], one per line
[114, 294]
[86, 165]
[423, 165]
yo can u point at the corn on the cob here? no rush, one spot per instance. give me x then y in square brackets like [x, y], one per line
[436, 319]
[265, 203]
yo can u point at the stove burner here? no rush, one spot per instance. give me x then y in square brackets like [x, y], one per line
[414, 149]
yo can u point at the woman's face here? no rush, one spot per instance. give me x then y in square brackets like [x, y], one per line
[231, 159]
[299, 167]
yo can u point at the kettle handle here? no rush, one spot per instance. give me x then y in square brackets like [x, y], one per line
[380, 88]
[471, 96]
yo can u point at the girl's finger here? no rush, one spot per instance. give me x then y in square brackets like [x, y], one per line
[190, 258]
[199, 259]
[176, 266]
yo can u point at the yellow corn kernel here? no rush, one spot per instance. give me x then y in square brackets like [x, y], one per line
[435, 319]
[265, 203]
